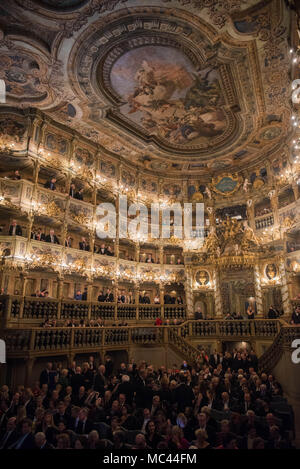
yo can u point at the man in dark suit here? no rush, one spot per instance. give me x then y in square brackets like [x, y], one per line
[52, 238]
[41, 441]
[102, 250]
[150, 259]
[77, 380]
[183, 394]
[167, 299]
[102, 297]
[109, 366]
[83, 245]
[84, 294]
[72, 191]
[109, 251]
[272, 313]
[82, 426]
[47, 376]
[51, 184]
[146, 299]
[38, 235]
[100, 380]
[61, 415]
[296, 316]
[14, 229]
[10, 436]
[198, 313]
[26, 439]
[109, 296]
[79, 195]
[214, 359]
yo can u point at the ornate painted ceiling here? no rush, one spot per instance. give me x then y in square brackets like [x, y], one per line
[177, 87]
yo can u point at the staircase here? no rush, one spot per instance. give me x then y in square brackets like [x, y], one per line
[182, 346]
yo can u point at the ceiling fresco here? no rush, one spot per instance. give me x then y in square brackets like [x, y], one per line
[179, 87]
[167, 97]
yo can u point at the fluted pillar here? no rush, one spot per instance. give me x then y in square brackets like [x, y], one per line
[258, 291]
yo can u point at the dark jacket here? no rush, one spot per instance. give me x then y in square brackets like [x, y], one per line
[84, 246]
[50, 185]
[18, 230]
[48, 239]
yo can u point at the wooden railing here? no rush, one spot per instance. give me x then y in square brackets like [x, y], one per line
[31, 309]
[283, 339]
[40, 341]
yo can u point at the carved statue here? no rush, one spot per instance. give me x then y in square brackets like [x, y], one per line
[248, 237]
[245, 185]
[208, 192]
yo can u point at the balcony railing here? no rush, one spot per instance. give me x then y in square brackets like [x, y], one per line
[37, 341]
[32, 309]
[264, 221]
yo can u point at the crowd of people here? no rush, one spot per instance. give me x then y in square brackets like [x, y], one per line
[222, 402]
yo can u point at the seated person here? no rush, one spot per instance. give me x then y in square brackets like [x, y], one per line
[78, 295]
[16, 176]
[179, 261]
[102, 249]
[179, 300]
[83, 245]
[15, 229]
[38, 235]
[51, 184]
[198, 313]
[79, 195]
[51, 237]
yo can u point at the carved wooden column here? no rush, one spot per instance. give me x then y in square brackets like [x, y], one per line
[60, 287]
[116, 291]
[274, 204]
[161, 299]
[258, 291]
[117, 239]
[217, 292]
[251, 214]
[286, 303]
[136, 299]
[189, 292]
[295, 189]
